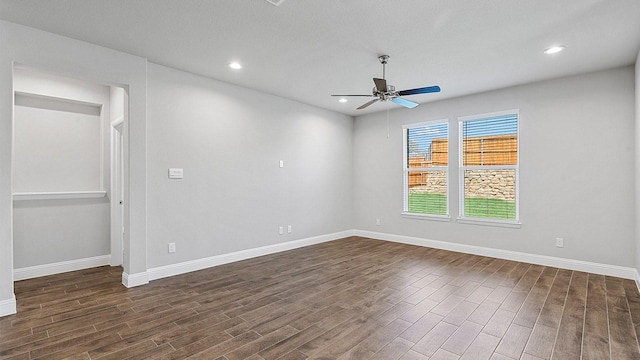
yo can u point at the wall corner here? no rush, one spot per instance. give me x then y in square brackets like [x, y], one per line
[133, 280]
[8, 306]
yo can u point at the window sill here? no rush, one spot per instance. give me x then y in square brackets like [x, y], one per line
[58, 195]
[488, 222]
[408, 215]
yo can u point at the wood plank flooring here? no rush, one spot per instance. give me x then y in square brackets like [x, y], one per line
[353, 298]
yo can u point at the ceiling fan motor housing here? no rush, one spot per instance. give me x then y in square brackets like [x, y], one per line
[385, 96]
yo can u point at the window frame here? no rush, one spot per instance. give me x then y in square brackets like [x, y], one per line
[406, 169]
[512, 223]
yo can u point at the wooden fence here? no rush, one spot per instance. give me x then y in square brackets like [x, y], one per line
[485, 150]
[490, 150]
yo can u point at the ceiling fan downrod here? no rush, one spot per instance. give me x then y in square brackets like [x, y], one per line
[383, 60]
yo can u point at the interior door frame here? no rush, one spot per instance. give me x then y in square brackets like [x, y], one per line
[117, 192]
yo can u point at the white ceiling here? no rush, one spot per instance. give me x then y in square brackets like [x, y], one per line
[308, 49]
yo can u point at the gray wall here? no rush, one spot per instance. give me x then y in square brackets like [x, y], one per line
[234, 196]
[52, 231]
[576, 169]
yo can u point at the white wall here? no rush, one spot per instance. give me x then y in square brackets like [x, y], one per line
[60, 151]
[637, 164]
[576, 169]
[56, 150]
[57, 54]
[229, 141]
[47, 232]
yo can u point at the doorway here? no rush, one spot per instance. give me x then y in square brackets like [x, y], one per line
[68, 178]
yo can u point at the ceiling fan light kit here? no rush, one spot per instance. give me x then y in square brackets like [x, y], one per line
[385, 92]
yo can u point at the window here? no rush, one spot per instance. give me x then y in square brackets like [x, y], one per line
[489, 167]
[426, 160]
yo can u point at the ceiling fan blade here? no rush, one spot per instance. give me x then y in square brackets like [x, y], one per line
[405, 103]
[367, 104]
[354, 95]
[423, 90]
[381, 84]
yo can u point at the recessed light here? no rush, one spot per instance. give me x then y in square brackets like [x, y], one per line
[343, 100]
[554, 49]
[275, 2]
[235, 66]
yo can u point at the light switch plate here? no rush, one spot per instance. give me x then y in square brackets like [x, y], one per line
[175, 173]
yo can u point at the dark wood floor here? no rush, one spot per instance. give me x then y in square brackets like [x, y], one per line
[348, 299]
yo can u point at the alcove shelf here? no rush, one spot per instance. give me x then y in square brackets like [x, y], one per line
[58, 195]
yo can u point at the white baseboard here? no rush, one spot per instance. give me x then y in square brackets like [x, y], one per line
[199, 264]
[8, 306]
[60, 267]
[133, 280]
[570, 264]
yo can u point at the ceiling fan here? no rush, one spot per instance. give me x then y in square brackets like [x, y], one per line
[384, 92]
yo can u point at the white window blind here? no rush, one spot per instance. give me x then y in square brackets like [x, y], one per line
[489, 167]
[426, 164]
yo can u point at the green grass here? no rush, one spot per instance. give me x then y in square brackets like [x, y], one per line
[489, 208]
[436, 204]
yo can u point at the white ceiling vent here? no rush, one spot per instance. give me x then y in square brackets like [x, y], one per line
[275, 2]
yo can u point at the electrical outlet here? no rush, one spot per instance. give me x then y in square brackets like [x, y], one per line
[172, 248]
[281, 230]
[560, 242]
[377, 222]
[289, 229]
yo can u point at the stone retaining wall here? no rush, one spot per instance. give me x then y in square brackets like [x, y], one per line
[495, 184]
[436, 183]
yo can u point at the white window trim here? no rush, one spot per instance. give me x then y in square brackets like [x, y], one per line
[405, 201]
[418, 216]
[490, 222]
[486, 221]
